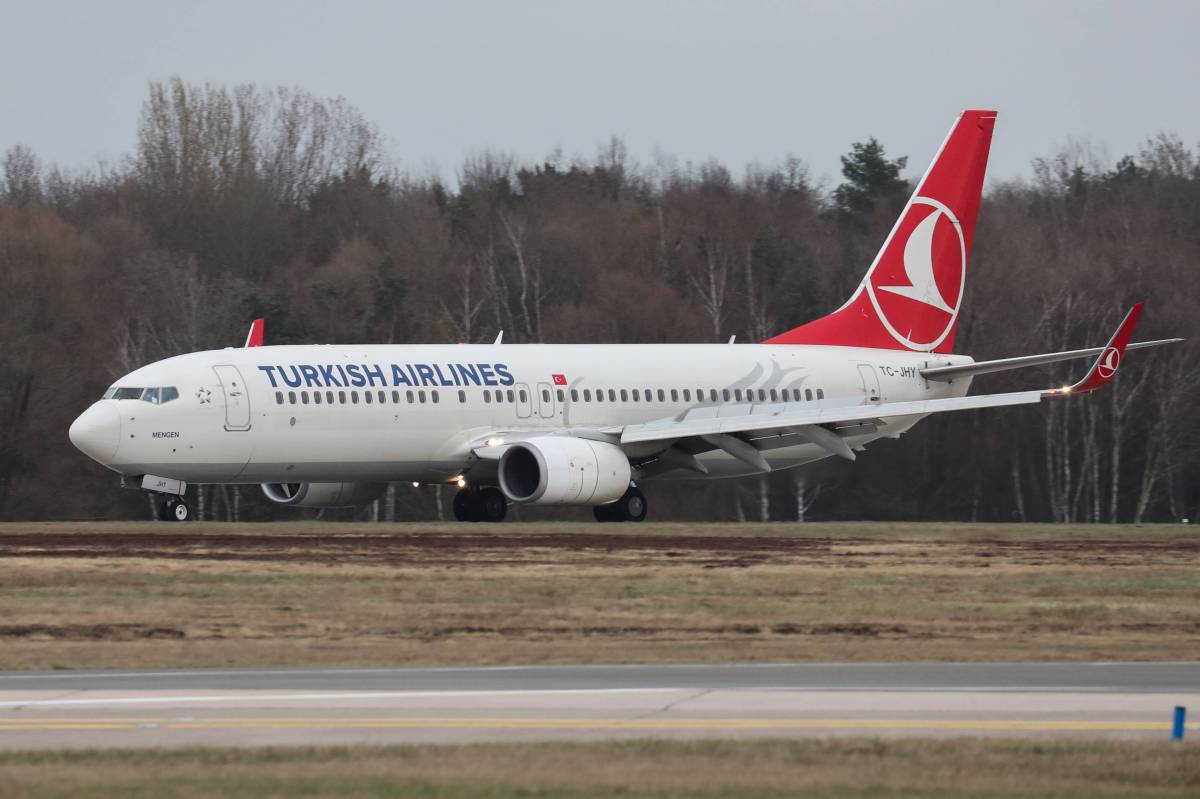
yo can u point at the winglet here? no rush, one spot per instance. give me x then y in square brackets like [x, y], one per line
[255, 337]
[1106, 364]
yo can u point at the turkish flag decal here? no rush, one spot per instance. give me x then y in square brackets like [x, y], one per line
[559, 380]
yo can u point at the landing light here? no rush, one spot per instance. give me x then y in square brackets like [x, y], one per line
[461, 482]
[494, 441]
[416, 484]
[1065, 390]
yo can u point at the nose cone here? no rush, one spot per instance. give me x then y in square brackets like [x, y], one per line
[97, 432]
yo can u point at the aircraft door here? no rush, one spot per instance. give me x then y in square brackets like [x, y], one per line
[524, 401]
[545, 395]
[237, 400]
[870, 382]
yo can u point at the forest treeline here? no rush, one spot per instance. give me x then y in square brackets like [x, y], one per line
[245, 202]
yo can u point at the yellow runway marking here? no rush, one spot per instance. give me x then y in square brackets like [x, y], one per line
[503, 723]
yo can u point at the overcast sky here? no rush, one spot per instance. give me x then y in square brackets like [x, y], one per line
[735, 81]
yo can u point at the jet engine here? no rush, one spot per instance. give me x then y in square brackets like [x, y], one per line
[322, 495]
[562, 470]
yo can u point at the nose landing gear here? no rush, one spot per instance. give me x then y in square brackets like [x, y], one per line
[174, 509]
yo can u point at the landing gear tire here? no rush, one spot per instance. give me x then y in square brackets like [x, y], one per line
[175, 510]
[467, 506]
[631, 507]
[493, 505]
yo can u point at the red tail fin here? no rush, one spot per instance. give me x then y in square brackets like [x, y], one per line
[912, 294]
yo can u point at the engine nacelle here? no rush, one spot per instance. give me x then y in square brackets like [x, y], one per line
[561, 470]
[322, 495]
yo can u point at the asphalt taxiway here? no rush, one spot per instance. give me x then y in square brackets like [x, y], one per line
[252, 707]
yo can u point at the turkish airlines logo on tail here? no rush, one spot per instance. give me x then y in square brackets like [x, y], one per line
[917, 284]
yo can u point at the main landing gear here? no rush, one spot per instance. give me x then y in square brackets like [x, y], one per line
[631, 507]
[486, 504]
[174, 509]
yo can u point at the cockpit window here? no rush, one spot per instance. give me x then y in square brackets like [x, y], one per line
[155, 396]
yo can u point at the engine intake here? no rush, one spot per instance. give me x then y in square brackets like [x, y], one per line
[562, 470]
[322, 495]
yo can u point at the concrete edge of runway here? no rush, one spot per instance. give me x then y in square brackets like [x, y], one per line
[255, 707]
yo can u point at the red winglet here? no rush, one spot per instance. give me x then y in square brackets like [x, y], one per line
[255, 337]
[1106, 364]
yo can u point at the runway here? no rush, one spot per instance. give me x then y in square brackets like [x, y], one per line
[255, 707]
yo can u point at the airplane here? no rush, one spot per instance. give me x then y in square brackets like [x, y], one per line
[582, 424]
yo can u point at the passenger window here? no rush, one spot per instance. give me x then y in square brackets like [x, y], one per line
[587, 395]
[353, 397]
[687, 395]
[395, 397]
[278, 397]
[462, 396]
[725, 393]
[433, 395]
[762, 395]
[624, 395]
[367, 397]
[561, 394]
[774, 396]
[808, 394]
[342, 397]
[712, 395]
[662, 397]
[382, 397]
[737, 394]
[291, 397]
[328, 397]
[649, 395]
[524, 398]
[304, 397]
[487, 398]
[635, 395]
[316, 398]
[820, 393]
[674, 395]
[421, 397]
[408, 395]
[510, 395]
[599, 395]
[796, 394]
[545, 395]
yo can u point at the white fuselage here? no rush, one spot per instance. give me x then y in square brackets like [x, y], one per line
[369, 413]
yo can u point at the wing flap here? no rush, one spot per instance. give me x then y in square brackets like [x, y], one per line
[771, 418]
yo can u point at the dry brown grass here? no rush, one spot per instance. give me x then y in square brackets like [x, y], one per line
[772, 768]
[135, 595]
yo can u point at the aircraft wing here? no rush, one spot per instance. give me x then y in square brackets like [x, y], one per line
[742, 431]
[948, 373]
